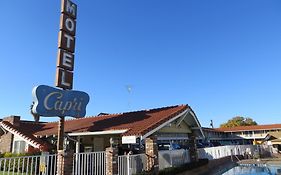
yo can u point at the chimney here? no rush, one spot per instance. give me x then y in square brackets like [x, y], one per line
[14, 120]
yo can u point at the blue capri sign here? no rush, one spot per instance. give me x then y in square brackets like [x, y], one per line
[49, 102]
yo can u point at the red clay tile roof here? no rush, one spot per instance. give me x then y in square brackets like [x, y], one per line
[27, 136]
[136, 123]
[250, 128]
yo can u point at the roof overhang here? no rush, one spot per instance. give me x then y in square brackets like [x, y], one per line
[194, 123]
[250, 129]
[14, 131]
[108, 132]
[276, 141]
[272, 135]
[187, 115]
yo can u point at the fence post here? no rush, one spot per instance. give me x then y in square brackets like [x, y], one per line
[151, 151]
[111, 155]
[65, 162]
[128, 163]
[43, 162]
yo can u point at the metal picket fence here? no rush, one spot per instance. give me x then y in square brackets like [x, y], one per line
[131, 164]
[92, 163]
[31, 165]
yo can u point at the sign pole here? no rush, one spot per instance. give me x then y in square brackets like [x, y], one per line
[65, 59]
[65, 67]
[60, 133]
[60, 159]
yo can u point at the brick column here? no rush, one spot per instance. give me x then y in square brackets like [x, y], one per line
[111, 161]
[111, 154]
[65, 162]
[193, 149]
[151, 151]
[6, 141]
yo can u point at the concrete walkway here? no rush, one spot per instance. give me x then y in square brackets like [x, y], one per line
[268, 161]
[214, 167]
[219, 166]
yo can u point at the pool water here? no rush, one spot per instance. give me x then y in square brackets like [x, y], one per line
[254, 170]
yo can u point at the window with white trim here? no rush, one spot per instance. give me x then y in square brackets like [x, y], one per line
[19, 146]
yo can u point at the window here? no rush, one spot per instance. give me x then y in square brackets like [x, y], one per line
[19, 146]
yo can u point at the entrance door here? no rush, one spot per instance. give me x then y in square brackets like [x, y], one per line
[98, 144]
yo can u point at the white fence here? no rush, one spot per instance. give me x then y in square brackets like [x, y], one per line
[32, 165]
[137, 164]
[224, 151]
[92, 163]
[83, 164]
[173, 158]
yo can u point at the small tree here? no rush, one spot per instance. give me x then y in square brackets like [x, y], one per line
[238, 121]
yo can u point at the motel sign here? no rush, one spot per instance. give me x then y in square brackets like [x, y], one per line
[50, 101]
[66, 45]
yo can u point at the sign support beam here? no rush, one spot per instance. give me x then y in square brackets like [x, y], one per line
[60, 133]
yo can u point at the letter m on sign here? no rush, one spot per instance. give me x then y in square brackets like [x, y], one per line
[69, 8]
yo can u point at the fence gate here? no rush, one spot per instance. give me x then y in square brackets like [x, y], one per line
[131, 164]
[92, 163]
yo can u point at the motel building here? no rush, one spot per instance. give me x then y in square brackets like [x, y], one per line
[241, 135]
[174, 124]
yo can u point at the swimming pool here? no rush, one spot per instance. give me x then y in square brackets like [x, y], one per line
[254, 170]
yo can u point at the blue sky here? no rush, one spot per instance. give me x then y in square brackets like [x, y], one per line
[221, 57]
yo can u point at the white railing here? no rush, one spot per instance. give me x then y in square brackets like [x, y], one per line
[173, 158]
[92, 163]
[31, 165]
[123, 168]
[224, 151]
[137, 164]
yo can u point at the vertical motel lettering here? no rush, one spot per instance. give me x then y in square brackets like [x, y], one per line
[66, 45]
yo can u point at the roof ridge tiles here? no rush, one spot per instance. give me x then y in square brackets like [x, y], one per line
[122, 113]
[173, 114]
[137, 122]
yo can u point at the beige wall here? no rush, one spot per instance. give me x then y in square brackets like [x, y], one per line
[172, 128]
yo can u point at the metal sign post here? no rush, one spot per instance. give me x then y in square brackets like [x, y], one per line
[65, 64]
[65, 59]
[60, 133]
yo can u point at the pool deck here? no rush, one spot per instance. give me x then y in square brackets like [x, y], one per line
[219, 166]
[214, 167]
[262, 162]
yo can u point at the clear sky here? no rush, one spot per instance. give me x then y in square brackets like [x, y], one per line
[221, 57]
